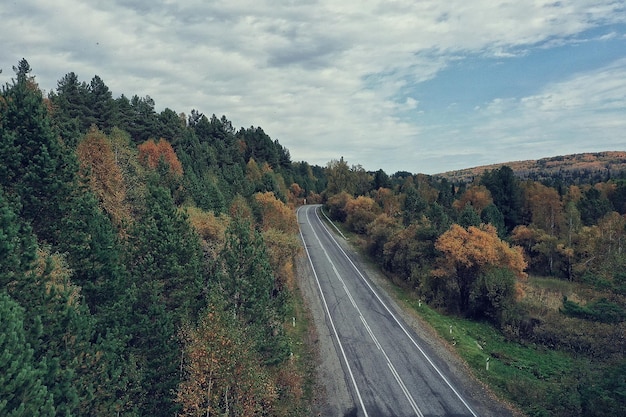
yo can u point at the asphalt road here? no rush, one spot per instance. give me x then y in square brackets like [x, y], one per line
[387, 367]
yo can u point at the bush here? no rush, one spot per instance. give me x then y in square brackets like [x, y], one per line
[492, 294]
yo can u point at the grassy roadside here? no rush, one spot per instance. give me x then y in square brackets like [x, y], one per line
[540, 381]
[302, 373]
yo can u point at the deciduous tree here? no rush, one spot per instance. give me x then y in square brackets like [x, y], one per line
[467, 253]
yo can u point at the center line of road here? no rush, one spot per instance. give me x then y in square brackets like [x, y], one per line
[332, 324]
[432, 364]
[367, 328]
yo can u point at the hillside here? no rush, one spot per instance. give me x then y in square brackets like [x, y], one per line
[574, 168]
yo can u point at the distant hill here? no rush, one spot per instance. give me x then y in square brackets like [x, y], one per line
[567, 169]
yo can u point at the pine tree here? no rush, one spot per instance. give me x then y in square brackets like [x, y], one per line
[22, 391]
[17, 245]
[166, 250]
[251, 291]
[36, 167]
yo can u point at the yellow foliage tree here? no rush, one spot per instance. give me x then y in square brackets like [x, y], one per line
[389, 201]
[468, 253]
[360, 212]
[210, 228]
[275, 214]
[282, 249]
[98, 160]
[222, 375]
[545, 206]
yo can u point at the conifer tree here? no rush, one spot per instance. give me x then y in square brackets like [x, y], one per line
[22, 391]
[251, 291]
[166, 250]
[36, 167]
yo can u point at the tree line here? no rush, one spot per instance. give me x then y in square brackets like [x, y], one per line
[146, 259]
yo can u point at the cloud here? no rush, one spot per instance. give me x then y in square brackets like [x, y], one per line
[326, 78]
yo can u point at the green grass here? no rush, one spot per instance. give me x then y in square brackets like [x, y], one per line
[298, 327]
[553, 284]
[532, 377]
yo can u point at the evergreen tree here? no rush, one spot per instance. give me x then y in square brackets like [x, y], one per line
[22, 391]
[101, 105]
[593, 206]
[155, 346]
[468, 217]
[94, 253]
[414, 205]
[17, 245]
[492, 215]
[166, 250]
[506, 193]
[144, 120]
[250, 290]
[73, 111]
[36, 167]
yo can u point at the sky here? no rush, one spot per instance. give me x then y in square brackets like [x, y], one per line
[424, 86]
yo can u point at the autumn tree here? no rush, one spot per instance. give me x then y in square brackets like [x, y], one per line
[388, 201]
[99, 162]
[378, 232]
[360, 212]
[336, 206]
[222, 372]
[279, 228]
[410, 252]
[151, 153]
[274, 214]
[339, 177]
[468, 253]
[545, 207]
[478, 196]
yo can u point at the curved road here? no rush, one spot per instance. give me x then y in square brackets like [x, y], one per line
[387, 368]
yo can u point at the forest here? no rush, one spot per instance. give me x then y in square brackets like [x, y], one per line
[147, 261]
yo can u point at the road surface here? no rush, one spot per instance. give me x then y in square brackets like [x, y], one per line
[388, 369]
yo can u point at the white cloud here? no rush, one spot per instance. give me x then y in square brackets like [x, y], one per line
[324, 77]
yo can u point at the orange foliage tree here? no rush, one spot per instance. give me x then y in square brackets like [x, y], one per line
[151, 153]
[468, 253]
[477, 195]
[97, 158]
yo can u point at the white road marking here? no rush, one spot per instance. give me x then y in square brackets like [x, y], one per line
[441, 375]
[343, 353]
[367, 327]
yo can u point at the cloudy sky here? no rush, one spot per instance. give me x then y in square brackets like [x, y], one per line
[414, 85]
